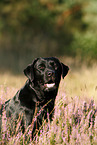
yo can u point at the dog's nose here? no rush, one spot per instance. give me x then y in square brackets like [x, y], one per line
[50, 73]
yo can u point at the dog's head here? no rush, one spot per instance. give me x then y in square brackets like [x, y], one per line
[46, 73]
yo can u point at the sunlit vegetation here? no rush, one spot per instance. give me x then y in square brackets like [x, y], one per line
[75, 117]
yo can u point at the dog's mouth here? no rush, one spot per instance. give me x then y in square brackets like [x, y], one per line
[50, 85]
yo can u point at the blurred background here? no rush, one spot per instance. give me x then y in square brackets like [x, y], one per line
[41, 28]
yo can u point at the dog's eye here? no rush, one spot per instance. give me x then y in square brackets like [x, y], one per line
[41, 67]
[53, 64]
[56, 67]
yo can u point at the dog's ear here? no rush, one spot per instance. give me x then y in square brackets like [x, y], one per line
[29, 70]
[65, 70]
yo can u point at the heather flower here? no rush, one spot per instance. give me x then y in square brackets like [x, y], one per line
[74, 122]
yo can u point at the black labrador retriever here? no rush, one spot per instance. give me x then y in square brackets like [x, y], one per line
[38, 95]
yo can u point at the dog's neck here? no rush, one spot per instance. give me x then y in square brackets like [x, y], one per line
[38, 92]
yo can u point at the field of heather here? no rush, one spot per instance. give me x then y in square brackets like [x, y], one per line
[74, 121]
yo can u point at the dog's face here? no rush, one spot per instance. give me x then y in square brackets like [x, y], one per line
[46, 73]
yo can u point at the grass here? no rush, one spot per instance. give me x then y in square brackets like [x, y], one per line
[75, 111]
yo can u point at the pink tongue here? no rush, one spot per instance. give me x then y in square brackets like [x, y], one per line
[50, 85]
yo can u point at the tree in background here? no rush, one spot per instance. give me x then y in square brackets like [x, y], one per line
[45, 27]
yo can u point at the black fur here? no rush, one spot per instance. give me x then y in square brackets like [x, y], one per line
[37, 94]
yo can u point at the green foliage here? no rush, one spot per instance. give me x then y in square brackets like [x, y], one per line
[32, 27]
[85, 44]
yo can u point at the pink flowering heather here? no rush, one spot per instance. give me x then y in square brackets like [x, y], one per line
[74, 122]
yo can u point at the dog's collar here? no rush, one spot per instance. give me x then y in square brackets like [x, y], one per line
[37, 94]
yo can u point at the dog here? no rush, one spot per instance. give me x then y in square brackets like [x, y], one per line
[37, 96]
